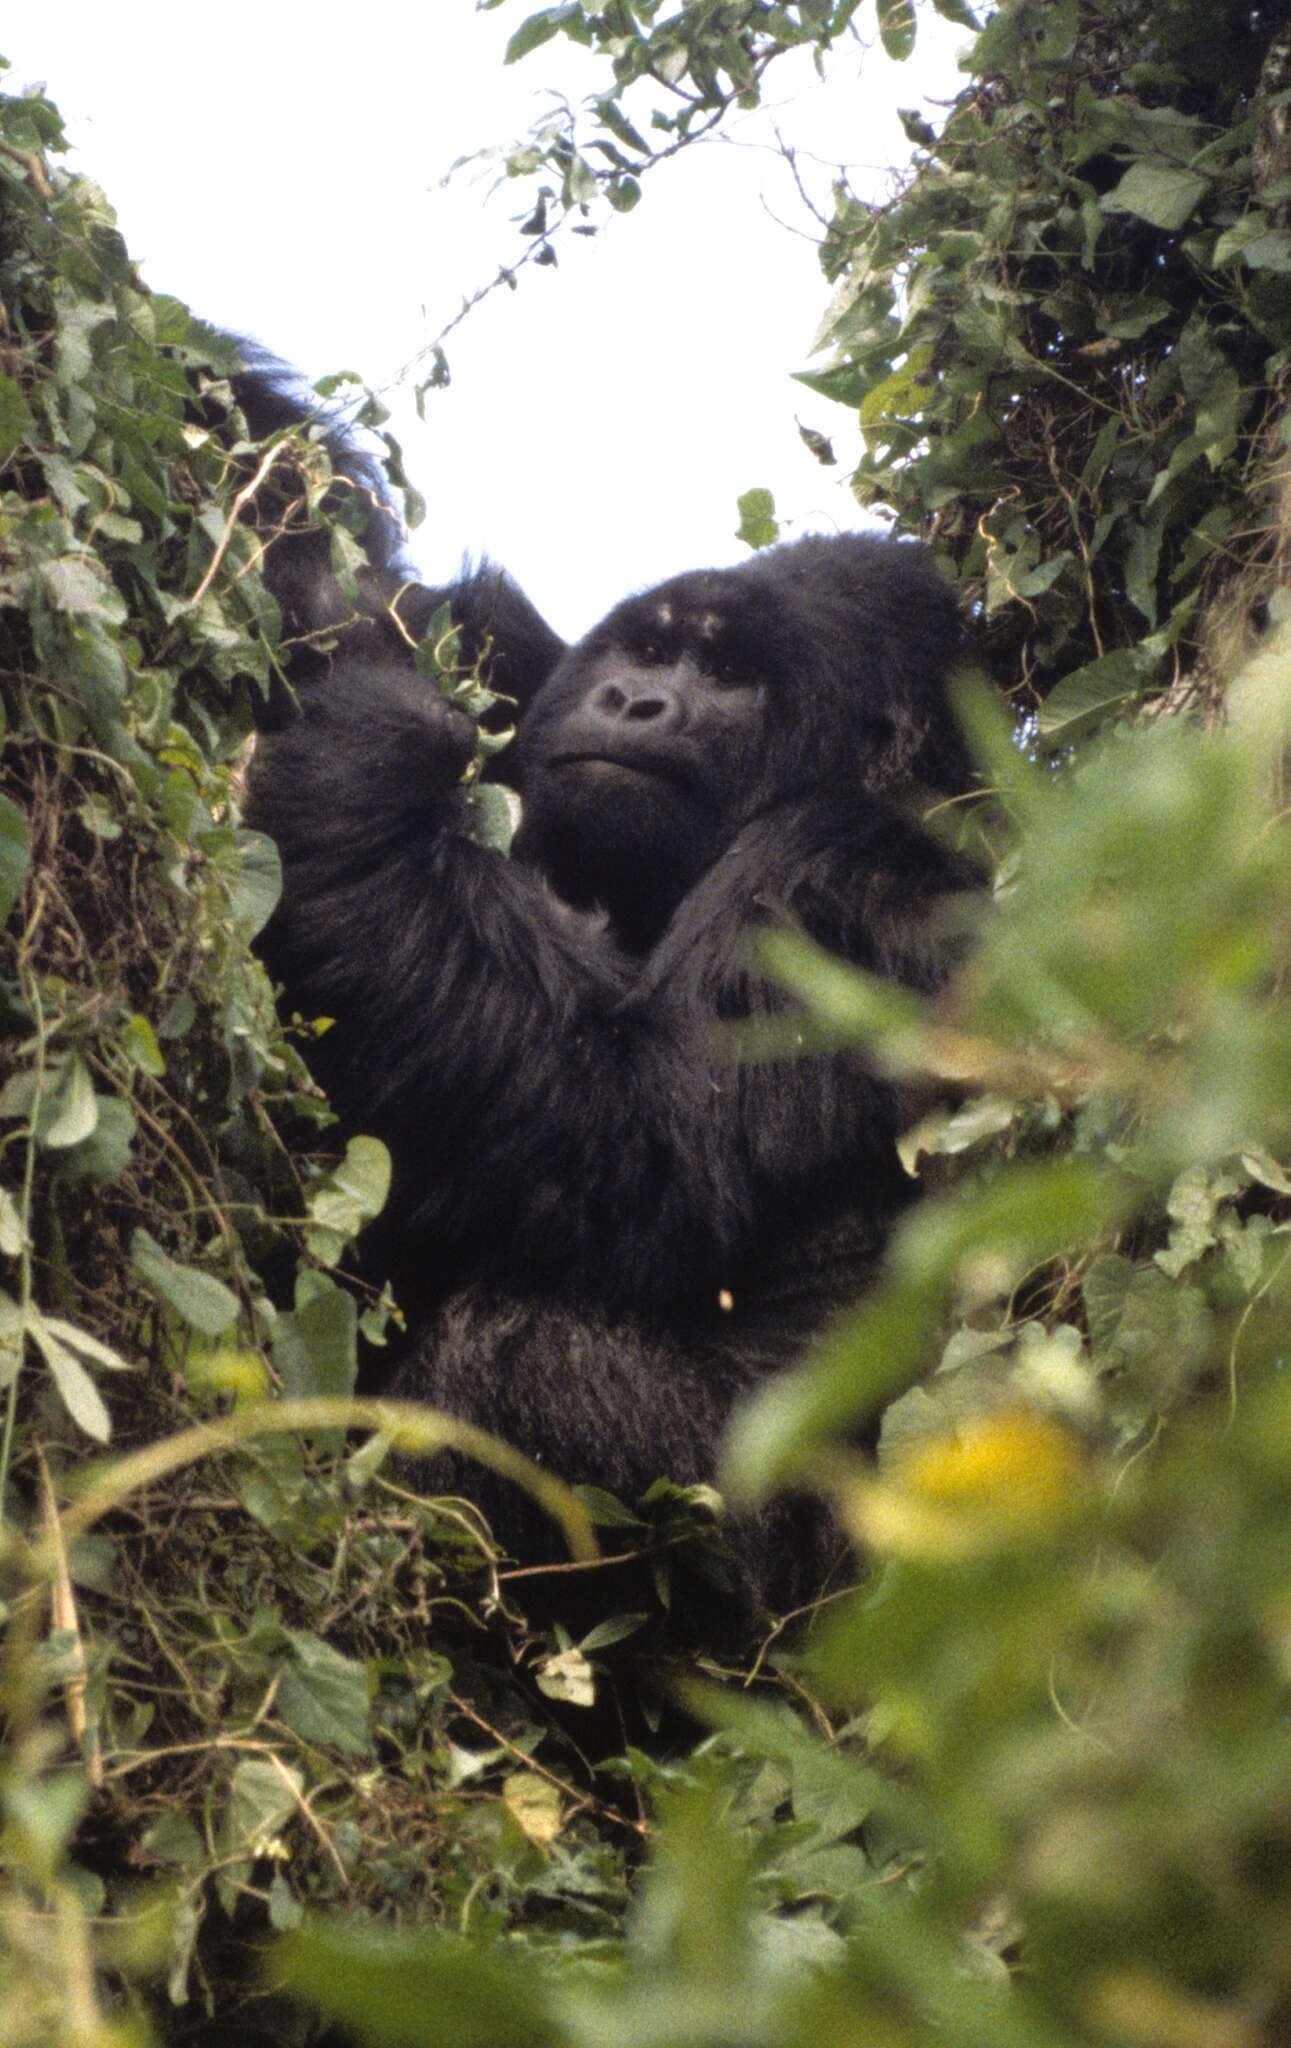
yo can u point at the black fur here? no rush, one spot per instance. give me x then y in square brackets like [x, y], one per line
[604, 1231]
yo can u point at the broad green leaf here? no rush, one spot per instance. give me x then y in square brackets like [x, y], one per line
[259, 885]
[606, 1510]
[353, 1193]
[758, 527]
[106, 1152]
[903, 394]
[324, 1697]
[1250, 228]
[421, 1990]
[203, 1302]
[172, 1838]
[533, 1801]
[315, 1348]
[1089, 695]
[364, 1173]
[71, 1113]
[264, 1794]
[79, 583]
[286, 1913]
[97, 818]
[1269, 252]
[1104, 1289]
[1157, 192]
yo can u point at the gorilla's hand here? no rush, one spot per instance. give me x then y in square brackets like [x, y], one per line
[374, 764]
[390, 720]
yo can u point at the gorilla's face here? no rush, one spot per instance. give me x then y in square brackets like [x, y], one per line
[638, 757]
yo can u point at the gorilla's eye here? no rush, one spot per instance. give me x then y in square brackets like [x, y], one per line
[650, 652]
[732, 673]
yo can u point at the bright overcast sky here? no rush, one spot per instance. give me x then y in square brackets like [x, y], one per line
[279, 167]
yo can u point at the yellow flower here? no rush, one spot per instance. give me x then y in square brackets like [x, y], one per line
[1018, 1465]
[995, 1479]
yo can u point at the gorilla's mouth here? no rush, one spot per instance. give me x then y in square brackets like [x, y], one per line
[615, 769]
[614, 761]
[649, 767]
[671, 779]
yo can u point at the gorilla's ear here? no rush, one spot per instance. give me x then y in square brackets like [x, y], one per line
[490, 611]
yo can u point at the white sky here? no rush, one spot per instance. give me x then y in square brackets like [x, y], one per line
[279, 168]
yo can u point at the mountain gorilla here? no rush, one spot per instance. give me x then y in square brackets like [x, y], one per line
[603, 1229]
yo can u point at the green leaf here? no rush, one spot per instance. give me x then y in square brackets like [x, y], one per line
[423, 1990]
[1249, 228]
[324, 1697]
[1105, 1288]
[12, 1235]
[1084, 698]
[172, 1838]
[97, 818]
[842, 384]
[139, 1043]
[286, 1912]
[539, 29]
[259, 885]
[609, 111]
[758, 526]
[495, 813]
[79, 1395]
[1142, 556]
[1269, 252]
[84, 1344]
[1157, 192]
[13, 854]
[606, 1509]
[105, 1154]
[897, 28]
[15, 418]
[72, 1111]
[352, 1194]
[80, 584]
[902, 395]
[315, 1348]
[203, 1302]
[264, 1793]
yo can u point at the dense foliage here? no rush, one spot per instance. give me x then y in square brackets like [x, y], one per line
[1028, 1785]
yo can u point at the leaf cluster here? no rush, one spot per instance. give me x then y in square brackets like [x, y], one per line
[208, 1651]
[672, 77]
[1068, 340]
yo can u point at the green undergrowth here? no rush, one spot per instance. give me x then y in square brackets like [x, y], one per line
[287, 1679]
